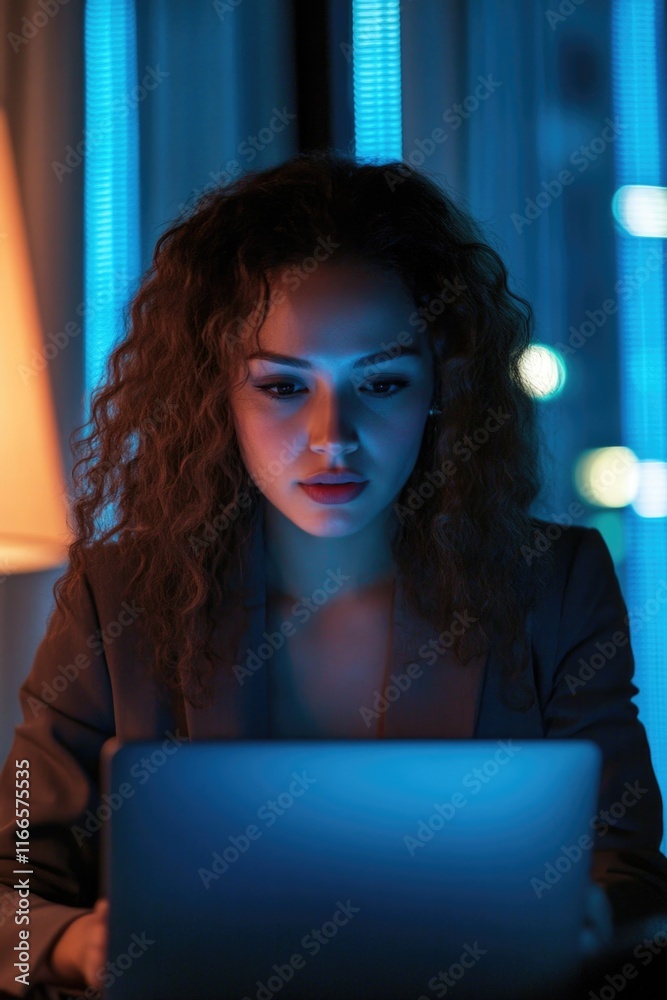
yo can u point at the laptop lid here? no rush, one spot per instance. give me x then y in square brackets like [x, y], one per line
[380, 870]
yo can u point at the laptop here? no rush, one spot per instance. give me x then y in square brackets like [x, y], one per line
[377, 870]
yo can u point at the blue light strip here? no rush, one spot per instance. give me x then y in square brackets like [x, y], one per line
[638, 66]
[111, 182]
[376, 45]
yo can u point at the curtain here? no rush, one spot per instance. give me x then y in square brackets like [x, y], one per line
[224, 103]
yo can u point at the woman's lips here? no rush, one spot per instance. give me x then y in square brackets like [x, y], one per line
[333, 493]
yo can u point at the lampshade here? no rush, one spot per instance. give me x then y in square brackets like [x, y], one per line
[33, 503]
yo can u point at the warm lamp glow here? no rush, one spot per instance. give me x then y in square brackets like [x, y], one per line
[33, 502]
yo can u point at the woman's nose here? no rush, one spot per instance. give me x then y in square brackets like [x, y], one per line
[331, 426]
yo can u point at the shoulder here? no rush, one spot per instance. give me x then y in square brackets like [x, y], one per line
[569, 548]
[107, 572]
[101, 558]
[582, 591]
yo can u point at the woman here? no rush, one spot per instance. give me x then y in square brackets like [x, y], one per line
[321, 458]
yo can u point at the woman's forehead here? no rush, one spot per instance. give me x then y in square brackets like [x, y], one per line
[341, 310]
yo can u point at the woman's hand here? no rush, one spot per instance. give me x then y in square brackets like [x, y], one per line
[598, 931]
[81, 950]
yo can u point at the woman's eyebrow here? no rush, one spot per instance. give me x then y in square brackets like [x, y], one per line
[376, 357]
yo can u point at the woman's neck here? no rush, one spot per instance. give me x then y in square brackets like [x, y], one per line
[298, 564]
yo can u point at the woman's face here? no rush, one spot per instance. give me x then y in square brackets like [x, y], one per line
[319, 409]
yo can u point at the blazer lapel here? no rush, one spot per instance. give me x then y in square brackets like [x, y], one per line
[495, 719]
[240, 707]
[430, 694]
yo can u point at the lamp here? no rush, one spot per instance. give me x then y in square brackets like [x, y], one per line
[34, 534]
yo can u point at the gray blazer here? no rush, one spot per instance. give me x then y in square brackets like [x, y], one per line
[88, 685]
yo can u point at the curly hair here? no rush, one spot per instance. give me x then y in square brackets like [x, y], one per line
[180, 501]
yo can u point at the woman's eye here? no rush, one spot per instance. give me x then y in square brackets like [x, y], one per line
[401, 383]
[378, 384]
[266, 389]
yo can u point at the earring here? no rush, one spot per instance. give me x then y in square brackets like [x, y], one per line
[434, 411]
